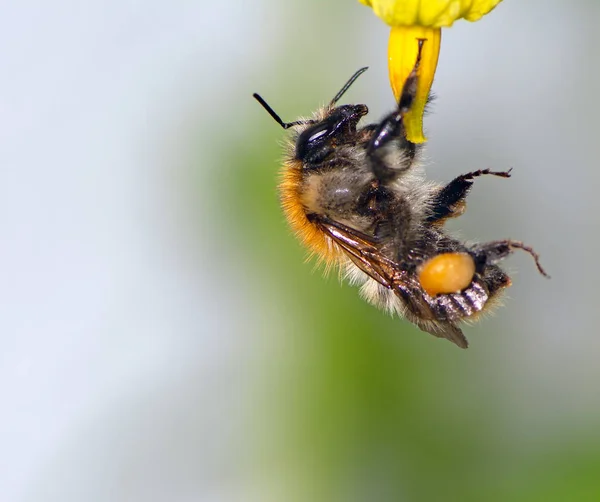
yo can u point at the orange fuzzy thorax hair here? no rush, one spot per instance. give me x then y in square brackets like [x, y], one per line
[290, 190]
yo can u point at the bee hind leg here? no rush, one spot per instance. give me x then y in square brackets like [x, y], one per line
[491, 253]
[450, 200]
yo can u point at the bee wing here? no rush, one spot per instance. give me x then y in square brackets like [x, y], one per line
[361, 249]
[445, 330]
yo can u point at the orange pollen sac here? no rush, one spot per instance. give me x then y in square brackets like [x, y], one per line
[446, 273]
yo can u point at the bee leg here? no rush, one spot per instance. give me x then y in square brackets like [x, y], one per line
[491, 253]
[450, 200]
[392, 128]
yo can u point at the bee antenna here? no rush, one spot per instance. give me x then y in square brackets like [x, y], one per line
[277, 118]
[347, 85]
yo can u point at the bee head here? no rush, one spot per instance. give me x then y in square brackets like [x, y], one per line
[318, 140]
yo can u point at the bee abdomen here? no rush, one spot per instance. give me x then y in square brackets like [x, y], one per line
[457, 306]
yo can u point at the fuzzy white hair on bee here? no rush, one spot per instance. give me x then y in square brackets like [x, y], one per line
[357, 198]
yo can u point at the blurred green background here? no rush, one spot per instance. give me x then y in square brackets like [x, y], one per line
[165, 337]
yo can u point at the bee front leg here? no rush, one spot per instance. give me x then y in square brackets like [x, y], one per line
[383, 161]
[389, 152]
[450, 200]
[392, 128]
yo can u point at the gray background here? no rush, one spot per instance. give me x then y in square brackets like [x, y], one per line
[143, 339]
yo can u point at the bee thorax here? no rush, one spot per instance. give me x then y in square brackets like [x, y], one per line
[338, 194]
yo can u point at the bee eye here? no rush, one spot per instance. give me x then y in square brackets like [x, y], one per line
[447, 273]
[312, 144]
[315, 135]
[318, 134]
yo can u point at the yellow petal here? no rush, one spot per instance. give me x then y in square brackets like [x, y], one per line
[431, 13]
[480, 8]
[403, 50]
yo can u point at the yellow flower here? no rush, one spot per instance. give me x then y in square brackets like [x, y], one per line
[430, 13]
[414, 20]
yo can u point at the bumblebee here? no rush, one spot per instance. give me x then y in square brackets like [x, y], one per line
[357, 198]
